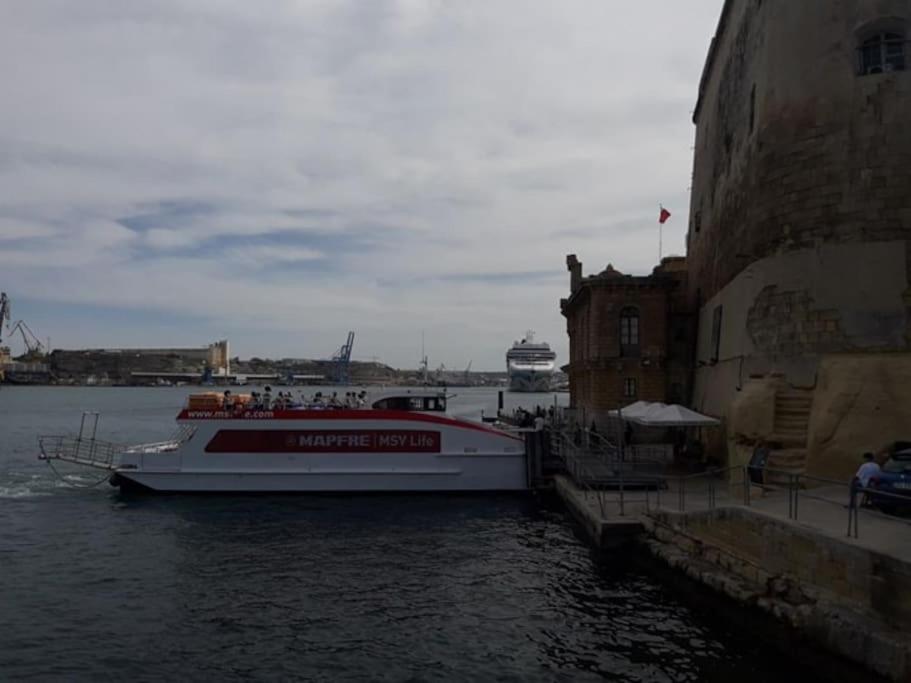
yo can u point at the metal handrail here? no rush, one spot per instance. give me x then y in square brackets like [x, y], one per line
[74, 449]
[577, 470]
[795, 488]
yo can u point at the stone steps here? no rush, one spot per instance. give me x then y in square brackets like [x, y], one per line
[792, 418]
[786, 462]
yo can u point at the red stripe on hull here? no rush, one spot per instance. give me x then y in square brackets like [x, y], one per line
[336, 414]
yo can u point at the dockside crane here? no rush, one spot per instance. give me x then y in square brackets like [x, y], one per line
[29, 338]
[468, 374]
[342, 360]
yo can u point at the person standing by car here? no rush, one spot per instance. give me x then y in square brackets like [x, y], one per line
[867, 470]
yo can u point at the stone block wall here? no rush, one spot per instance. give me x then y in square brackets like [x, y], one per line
[852, 600]
[793, 148]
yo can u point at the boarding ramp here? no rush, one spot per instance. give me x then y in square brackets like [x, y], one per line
[594, 461]
[84, 448]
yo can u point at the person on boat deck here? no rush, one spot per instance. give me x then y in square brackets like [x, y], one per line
[334, 400]
[318, 398]
[267, 398]
[255, 400]
[362, 399]
[228, 402]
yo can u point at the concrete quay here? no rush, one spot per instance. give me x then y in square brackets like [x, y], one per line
[850, 596]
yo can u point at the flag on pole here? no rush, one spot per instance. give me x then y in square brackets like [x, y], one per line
[665, 214]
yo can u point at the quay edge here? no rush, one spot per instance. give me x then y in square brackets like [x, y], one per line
[847, 600]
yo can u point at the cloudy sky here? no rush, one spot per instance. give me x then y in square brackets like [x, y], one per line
[172, 172]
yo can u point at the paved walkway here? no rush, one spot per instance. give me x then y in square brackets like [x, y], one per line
[824, 510]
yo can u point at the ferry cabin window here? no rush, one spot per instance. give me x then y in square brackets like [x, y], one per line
[882, 53]
[629, 332]
[630, 390]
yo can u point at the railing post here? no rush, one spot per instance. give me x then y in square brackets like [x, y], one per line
[790, 496]
[748, 486]
[852, 506]
[622, 510]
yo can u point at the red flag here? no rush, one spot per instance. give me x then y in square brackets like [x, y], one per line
[665, 214]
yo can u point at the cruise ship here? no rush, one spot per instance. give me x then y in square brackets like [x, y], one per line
[530, 365]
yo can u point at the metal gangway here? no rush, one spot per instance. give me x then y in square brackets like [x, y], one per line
[83, 449]
[594, 461]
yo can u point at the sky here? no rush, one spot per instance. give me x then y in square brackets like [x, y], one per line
[277, 174]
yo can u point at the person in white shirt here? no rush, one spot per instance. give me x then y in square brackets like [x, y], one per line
[868, 470]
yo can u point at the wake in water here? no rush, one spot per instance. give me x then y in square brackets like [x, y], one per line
[21, 485]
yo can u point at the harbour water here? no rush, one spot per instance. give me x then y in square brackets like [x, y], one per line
[391, 588]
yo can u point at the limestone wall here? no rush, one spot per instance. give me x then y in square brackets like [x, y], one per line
[861, 403]
[788, 312]
[793, 147]
[852, 600]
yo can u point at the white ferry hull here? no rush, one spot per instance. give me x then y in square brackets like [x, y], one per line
[306, 453]
[509, 475]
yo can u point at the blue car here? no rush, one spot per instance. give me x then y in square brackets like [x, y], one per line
[894, 478]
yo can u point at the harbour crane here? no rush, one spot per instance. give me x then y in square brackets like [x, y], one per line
[342, 360]
[468, 374]
[32, 343]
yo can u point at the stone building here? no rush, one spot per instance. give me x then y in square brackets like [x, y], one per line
[628, 337]
[800, 230]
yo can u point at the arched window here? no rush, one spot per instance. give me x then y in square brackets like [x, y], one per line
[629, 332]
[882, 52]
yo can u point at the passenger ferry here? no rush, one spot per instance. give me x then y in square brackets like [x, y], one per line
[403, 442]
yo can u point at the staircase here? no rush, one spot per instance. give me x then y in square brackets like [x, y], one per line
[792, 422]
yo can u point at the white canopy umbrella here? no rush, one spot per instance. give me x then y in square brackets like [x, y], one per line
[661, 415]
[638, 409]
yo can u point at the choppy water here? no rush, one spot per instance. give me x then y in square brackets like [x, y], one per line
[95, 586]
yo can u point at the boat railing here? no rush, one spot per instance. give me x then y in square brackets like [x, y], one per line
[184, 433]
[89, 451]
[82, 449]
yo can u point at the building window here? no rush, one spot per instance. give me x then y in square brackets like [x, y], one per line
[697, 221]
[629, 332]
[882, 53]
[716, 334]
[630, 388]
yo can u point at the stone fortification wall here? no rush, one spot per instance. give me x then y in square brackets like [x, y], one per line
[793, 148]
[117, 366]
[800, 221]
[851, 600]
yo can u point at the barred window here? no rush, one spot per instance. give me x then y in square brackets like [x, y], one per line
[882, 53]
[630, 387]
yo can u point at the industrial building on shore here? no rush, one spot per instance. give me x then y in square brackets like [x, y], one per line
[797, 278]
